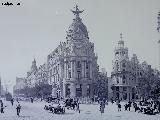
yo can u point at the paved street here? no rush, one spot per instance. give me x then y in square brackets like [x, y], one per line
[35, 111]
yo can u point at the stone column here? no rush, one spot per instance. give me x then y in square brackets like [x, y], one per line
[72, 90]
[84, 90]
[72, 68]
[64, 90]
[90, 70]
[83, 68]
[65, 69]
[66, 72]
[91, 90]
[54, 90]
[75, 70]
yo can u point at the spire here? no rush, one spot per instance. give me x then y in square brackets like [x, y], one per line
[121, 42]
[121, 37]
[77, 11]
[34, 66]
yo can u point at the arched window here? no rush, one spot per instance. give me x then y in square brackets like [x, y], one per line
[123, 65]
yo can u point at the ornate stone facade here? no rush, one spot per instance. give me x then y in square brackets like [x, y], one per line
[73, 64]
[122, 79]
[129, 78]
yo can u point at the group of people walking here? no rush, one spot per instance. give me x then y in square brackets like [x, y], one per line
[18, 106]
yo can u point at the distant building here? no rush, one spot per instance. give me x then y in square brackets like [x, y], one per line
[31, 75]
[2, 90]
[21, 83]
[41, 75]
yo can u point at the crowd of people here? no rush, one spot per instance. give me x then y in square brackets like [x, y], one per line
[151, 107]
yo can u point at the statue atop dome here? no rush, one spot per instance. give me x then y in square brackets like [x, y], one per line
[77, 11]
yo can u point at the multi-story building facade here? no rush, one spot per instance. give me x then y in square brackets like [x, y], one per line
[123, 80]
[72, 67]
[41, 75]
[129, 78]
[73, 64]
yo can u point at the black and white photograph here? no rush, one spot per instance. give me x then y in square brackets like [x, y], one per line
[79, 59]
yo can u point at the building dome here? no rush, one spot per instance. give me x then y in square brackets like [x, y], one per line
[77, 30]
[77, 27]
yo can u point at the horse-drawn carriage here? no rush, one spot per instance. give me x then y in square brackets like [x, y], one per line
[70, 104]
[55, 109]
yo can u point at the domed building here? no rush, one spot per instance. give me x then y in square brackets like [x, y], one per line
[73, 64]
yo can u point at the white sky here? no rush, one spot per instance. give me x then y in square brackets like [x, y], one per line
[35, 28]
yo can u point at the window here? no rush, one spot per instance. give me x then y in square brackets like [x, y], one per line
[87, 75]
[117, 66]
[117, 53]
[117, 80]
[124, 77]
[123, 81]
[69, 74]
[88, 90]
[117, 88]
[124, 88]
[69, 64]
[78, 74]
[123, 65]
[140, 74]
[58, 77]
[87, 65]
[123, 53]
[78, 64]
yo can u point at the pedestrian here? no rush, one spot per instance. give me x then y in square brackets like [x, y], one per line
[126, 106]
[18, 108]
[2, 107]
[12, 101]
[78, 107]
[31, 100]
[119, 107]
[129, 105]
